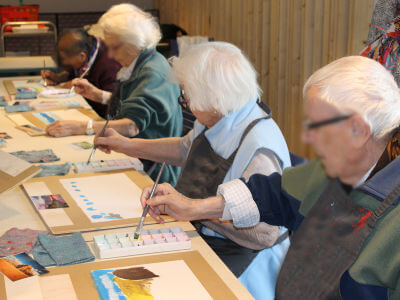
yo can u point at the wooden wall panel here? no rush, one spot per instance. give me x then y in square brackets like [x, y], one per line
[286, 40]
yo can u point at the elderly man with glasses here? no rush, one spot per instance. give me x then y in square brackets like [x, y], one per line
[342, 207]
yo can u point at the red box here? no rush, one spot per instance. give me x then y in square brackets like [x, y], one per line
[19, 13]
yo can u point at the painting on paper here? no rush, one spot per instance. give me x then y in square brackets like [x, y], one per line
[105, 197]
[164, 280]
[49, 201]
[20, 266]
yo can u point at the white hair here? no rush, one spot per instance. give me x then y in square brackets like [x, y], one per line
[357, 84]
[216, 77]
[129, 24]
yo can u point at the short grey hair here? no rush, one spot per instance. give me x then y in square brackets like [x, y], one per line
[216, 77]
[130, 25]
[357, 84]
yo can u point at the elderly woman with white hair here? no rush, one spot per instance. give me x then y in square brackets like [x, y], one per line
[234, 136]
[342, 207]
[144, 101]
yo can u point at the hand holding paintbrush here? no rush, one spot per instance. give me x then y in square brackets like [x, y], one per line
[147, 207]
[80, 77]
[100, 135]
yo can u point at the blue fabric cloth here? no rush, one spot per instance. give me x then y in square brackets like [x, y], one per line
[3, 143]
[17, 108]
[40, 156]
[54, 170]
[22, 95]
[61, 251]
[3, 102]
[224, 137]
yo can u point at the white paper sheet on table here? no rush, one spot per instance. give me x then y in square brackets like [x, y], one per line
[57, 287]
[175, 281]
[38, 188]
[12, 165]
[19, 120]
[27, 288]
[105, 197]
[56, 217]
[41, 288]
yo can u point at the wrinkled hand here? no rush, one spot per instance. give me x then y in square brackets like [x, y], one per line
[168, 200]
[84, 88]
[61, 128]
[111, 141]
[49, 76]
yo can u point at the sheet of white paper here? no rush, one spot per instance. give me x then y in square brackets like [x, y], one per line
[176, 276]
[41, 288]
[27, 288]
[175, 281]
[71, 114]
[12, 165]
[36, 188]
[105, 197]
[57, 287]
[55, 217]
[19, 120]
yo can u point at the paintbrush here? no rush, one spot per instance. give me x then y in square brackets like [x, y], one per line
[44, 69]
[101, 134]
[147, 207]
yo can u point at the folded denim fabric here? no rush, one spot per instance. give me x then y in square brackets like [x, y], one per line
[17, 108]
[41, 156]
[54, 170]
[25, 95]
[61, 251]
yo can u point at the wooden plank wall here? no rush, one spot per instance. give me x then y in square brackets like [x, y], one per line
[286, 40]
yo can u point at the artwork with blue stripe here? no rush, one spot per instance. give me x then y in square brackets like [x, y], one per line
[46, 117]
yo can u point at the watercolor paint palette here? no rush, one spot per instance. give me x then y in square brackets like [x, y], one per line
[151, 241]
[108, 165]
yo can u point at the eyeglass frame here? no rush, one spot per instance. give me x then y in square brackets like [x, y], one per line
[182, 100]
[314, 125]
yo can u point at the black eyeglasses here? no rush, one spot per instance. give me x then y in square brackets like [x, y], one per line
[313, 125]
[182, 100]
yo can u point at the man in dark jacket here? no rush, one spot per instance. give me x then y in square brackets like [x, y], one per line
[81, 53]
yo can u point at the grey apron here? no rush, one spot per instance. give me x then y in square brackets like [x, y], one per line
[326, 245]
[203, 172]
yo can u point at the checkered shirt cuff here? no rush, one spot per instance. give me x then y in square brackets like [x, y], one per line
[239, 204]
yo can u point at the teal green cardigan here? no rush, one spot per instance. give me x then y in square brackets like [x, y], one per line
[149, 99]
